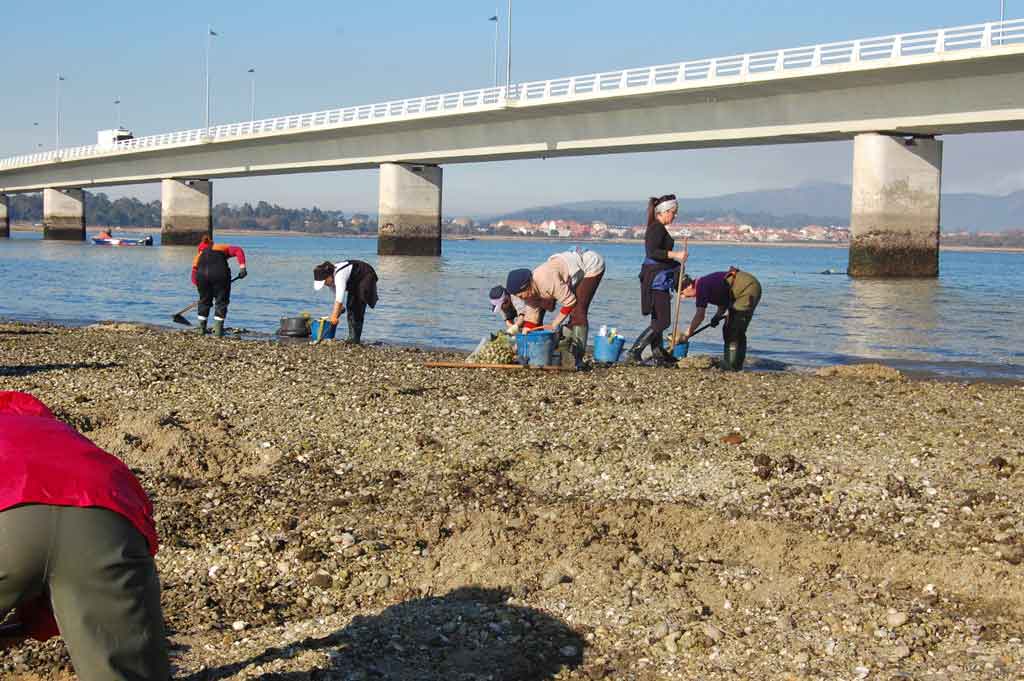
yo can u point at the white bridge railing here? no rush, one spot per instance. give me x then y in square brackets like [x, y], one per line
[894, 49]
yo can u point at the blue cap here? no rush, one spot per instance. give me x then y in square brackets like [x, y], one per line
[518, 280]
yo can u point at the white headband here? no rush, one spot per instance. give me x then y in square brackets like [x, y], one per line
[666, 205]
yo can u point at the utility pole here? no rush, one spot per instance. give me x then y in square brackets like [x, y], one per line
[117, 102]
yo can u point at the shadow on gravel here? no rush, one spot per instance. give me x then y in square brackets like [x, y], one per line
[469, 633]
[28, 369]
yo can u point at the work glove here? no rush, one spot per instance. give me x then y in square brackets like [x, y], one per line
[715, 320]
[242, 273]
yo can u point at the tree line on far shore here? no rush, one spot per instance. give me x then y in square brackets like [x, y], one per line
[131, 212]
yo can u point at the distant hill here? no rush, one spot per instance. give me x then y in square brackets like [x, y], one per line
[816, 203]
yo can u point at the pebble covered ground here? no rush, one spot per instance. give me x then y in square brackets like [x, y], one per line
[340, 512]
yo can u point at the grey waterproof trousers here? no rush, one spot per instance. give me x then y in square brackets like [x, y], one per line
[102, 585]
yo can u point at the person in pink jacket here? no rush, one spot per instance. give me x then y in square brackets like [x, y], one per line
[77, 541]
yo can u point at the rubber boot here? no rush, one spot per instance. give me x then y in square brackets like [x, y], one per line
[741, 355]
[660, 355]
[218, 328]
[202, 326]
[635, 353]
[355, 331]
[582, 332]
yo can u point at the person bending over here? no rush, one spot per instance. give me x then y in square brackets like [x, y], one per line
[354, 284]
[212, 277]
[736, 294]
[77, 541]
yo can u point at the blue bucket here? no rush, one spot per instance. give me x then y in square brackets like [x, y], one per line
[521, 348]
[539, 347]
[608, 351]
[681, 350]
[322, 329]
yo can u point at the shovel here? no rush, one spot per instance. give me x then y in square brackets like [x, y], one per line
[179, 316]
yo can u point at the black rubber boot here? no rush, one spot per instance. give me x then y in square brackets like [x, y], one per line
[218, 328]
[355, 330]
[635, 353]
[660, 355]
[202, 327]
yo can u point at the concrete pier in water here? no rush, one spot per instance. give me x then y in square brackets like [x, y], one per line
[186, 211]
[894, 216]
[64, 214]
[409, 218]
[5, 217]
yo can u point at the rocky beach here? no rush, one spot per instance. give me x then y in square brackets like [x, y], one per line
[340, 512]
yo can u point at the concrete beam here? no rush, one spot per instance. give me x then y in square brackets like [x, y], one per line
[894, 217]
[5, 217]
[186, 211]
[409, 210]
[64, 214]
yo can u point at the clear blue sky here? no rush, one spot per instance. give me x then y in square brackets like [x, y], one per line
[317, 54]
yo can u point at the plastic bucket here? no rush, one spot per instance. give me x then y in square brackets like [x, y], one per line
[540, 346]
[521, 348]
[322, 329]
[681, 350]
[608, 351]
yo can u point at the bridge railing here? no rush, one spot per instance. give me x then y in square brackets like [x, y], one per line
[802, 60]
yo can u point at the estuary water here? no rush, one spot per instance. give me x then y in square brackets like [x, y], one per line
[966, 324]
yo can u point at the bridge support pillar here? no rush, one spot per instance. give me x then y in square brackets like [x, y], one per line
[894, 217]
[5, 217]
[409, 209]
[64, 214]
[186, 211]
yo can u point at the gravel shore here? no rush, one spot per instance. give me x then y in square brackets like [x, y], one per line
[338, 512]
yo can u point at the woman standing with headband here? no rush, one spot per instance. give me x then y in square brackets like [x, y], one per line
[658, 275]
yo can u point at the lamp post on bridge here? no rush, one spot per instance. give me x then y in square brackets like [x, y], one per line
[210, 33]
[60, 79]
[508, 51]
[252, 95]
[494, 62]
[117, 103]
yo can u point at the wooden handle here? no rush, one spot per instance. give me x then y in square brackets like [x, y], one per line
[475, 365]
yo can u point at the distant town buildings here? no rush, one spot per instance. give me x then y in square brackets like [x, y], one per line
[698, 231]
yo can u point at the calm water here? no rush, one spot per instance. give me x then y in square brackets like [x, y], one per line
[968, 323]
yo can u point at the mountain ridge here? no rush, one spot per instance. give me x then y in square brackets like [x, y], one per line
[811, 203]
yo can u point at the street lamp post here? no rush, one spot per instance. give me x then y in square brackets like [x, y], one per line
[494, 62]
[508, 51]
[117, 103]
[60, 79]
[210, 33]
[252, 95]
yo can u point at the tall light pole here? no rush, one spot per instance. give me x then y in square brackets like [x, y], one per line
[252, 95]
[508, 51]
[210, 33]
[495, 60]
[117, 103]
[60, 79]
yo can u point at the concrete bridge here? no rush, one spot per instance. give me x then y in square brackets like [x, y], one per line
[892, 95]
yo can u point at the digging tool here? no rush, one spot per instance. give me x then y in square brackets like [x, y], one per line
[679, 298]
[179, 316]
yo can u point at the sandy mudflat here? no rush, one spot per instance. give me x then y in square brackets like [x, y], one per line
[345, 513]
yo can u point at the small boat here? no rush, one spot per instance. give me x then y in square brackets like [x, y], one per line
[148, 241]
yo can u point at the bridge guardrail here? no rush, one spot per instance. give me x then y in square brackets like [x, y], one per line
[666, 76]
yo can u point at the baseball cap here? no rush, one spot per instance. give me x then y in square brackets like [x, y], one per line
[517, 280]
[498, 295]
